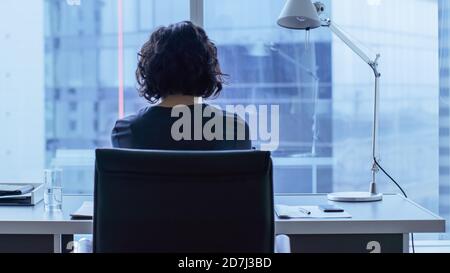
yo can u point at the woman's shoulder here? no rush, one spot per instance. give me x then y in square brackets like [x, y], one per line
[232, 120]
[124, 122]
[235, 118]
[122, 133]
[123, 125]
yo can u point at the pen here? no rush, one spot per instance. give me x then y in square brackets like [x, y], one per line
[307, 212]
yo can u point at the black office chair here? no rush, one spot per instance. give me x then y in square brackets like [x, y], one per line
[162, 201]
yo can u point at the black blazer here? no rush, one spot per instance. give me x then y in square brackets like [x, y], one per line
[151, 129]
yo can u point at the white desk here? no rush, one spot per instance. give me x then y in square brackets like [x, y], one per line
[30, 229]
[387, 223]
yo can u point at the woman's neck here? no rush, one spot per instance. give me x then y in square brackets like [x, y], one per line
[174, 100]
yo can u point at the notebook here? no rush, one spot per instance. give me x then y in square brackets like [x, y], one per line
[293, 212]
[85, 212]
[12, 190]
[16, 200]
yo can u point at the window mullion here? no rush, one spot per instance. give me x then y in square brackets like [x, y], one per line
[196, 12]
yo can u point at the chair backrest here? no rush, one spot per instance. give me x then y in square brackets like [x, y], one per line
[164, 201]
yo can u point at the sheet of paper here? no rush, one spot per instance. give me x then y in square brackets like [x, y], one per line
[85, 211]
[284, 211]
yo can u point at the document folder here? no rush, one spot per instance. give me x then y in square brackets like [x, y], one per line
[21, 194]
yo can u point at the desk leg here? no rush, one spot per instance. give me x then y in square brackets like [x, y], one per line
[57, 243]
[63, 243]
[406, 243]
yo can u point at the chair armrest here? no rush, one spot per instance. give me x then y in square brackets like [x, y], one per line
[282, 244]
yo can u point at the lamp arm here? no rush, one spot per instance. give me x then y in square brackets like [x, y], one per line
[341, 35]
[374, 65]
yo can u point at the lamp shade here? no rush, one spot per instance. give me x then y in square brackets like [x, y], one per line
[299, 14]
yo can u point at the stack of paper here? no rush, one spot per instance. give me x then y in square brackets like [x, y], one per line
[15, 195]
[11, 200]
[14, 190]
[85, 212]
[289, 212]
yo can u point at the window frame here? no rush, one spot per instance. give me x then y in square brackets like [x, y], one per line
[197, 12]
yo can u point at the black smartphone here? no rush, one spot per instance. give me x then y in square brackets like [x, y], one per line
[330, 208]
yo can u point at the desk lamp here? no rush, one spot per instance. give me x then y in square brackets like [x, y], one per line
[304, 15]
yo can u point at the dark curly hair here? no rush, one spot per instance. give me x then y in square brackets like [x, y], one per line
[179, 60]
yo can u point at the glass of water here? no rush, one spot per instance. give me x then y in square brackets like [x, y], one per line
[53, 190]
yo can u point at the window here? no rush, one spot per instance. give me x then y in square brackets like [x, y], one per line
[269, 65]
[82, 52]
[326, 139]
[325, 92]
[73, 106]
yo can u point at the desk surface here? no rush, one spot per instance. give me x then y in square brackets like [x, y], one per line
[393, 215]
[34, 220]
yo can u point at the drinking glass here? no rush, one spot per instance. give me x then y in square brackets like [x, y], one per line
[53, 190]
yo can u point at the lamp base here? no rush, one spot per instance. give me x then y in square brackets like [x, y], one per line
[355, 197]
